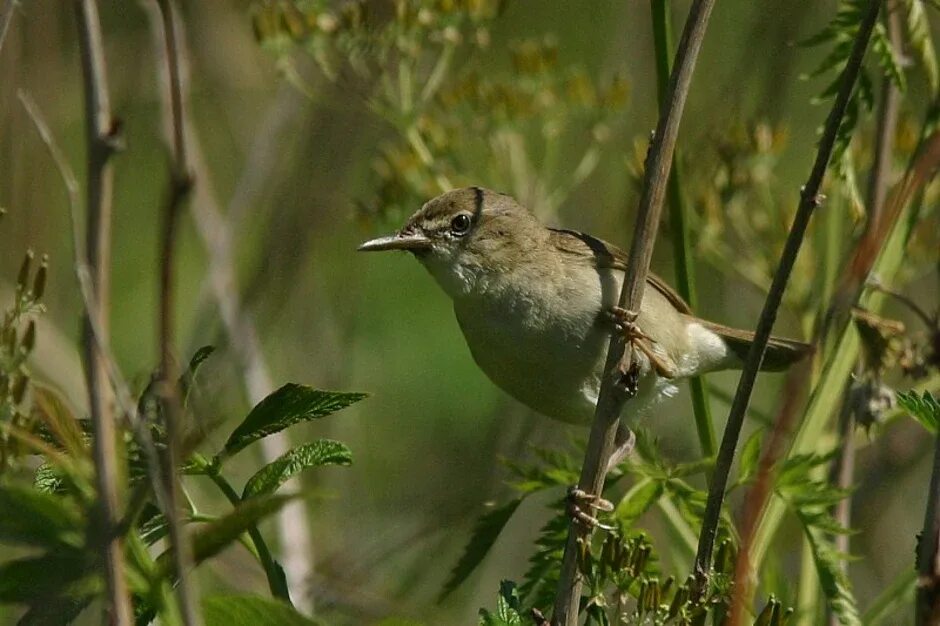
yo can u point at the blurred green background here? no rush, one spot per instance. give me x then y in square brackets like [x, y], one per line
[293, 170]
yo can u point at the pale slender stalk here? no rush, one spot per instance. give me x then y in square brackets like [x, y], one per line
[679, 224]
[102, 138]
[6, 16]
[611, 400]
[809, 201]
[843, 471]
[180, 186]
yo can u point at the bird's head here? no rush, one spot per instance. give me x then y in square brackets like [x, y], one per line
[466, 237]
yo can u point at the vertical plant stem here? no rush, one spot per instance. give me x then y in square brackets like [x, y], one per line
[927, 606]
[679, 224]
[809, 201]
[6, 16]
[179, 187]
[102, 138]
[843, 471]
[619, 358]
[276, 582]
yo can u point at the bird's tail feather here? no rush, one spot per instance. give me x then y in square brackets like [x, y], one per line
[780, 354]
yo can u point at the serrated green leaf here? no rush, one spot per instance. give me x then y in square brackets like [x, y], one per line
[833, 580]
[508, 607]
[638, 501]
[31, 517]
[249, 610]
[289, 405]
[215, 536]
[485, 532]
[276, 473]
[924, 408]
[46, 479]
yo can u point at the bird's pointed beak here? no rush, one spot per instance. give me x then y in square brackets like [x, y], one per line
[398, 241]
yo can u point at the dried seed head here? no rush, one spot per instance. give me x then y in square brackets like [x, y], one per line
[19, 388]
[29, 339]
[23, 275]
[39, 282]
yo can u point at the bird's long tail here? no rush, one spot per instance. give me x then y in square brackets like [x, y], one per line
[780, 354]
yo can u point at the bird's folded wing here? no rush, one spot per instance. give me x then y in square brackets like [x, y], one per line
[608, 256]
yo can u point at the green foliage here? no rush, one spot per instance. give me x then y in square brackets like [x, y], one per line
[316, 454]
[484, 535]
[924, 408]
[38, 519]
[245, 610]
[289, 405]
[811, 498]
[509, 610]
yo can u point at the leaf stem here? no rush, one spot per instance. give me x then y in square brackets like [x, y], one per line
[276, 581]
[809, 201]
[679, 224]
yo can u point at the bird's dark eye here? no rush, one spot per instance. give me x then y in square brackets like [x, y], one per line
[460, 224]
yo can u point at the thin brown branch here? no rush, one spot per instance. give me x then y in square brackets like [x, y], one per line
[119, 386]
[927, 607]
[102, 137]
[180, 186]
[809, 201]
[619, 356]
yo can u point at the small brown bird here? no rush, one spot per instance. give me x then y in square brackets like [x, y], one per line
[535, 306]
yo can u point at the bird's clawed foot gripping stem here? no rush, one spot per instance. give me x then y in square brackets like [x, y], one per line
[578, 500]
[634, 338]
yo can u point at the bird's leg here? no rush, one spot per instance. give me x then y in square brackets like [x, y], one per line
[624, 442]
[577, 500]
[625, 321]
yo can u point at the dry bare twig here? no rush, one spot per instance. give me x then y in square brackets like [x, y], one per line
[620, 356]
[103, 139]
[809, 202]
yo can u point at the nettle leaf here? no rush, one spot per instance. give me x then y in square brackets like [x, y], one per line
[248, 610]
[485, 532]
[924, 408]
[273, 475]
[289, 405]
[35, 518]
[215, 536]
[508, 607]
[833, 580]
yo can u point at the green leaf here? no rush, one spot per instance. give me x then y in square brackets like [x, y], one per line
[638, 501]
[248, 610]
[508, 608]
[833, 580]
[40, 519]
[750, 456]
[921, 42]
[276, 473]
[189, 376]
[924, 408]
[215, 536]
[57, 573]
[485, 531]
[289, 405]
